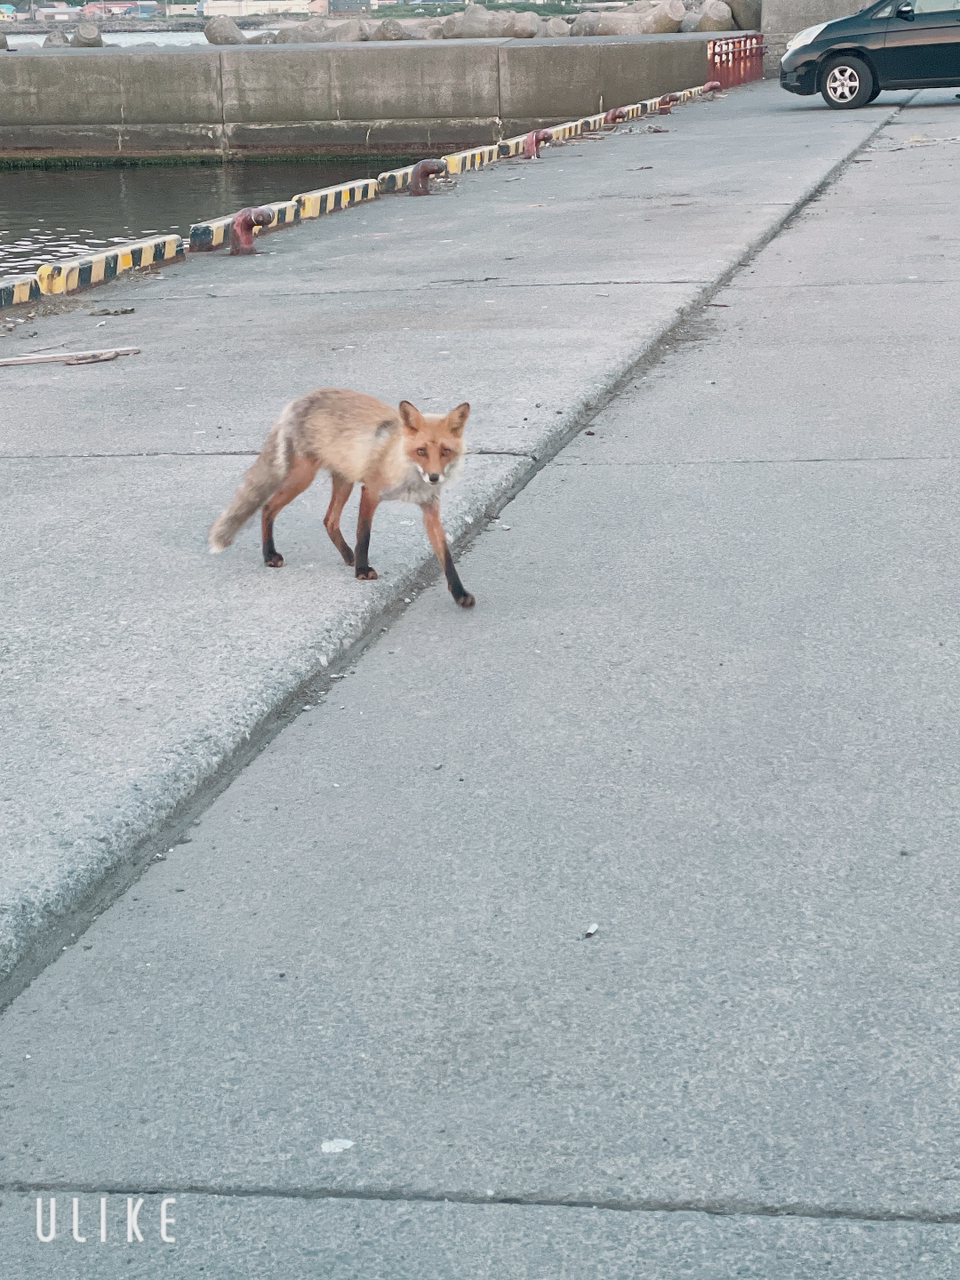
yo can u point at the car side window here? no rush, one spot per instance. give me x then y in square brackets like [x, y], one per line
[936, 6]
[885, 12]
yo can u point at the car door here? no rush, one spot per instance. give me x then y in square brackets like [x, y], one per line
[922, 44]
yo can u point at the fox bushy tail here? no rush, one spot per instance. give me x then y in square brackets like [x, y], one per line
[262, 480]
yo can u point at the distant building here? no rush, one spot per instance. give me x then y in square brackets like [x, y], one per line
[349, 6]
[59, 11]
[250, 8]
[178, 10]
[100, 9]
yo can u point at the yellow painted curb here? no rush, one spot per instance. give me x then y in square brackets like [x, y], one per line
[16, 290]
[94, 268]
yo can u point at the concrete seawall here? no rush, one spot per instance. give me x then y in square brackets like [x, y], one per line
[104, 104]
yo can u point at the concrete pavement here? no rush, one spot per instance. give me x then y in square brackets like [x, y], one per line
[706, 701]
[530, 290]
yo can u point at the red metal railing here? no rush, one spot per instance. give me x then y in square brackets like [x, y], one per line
[736, 60]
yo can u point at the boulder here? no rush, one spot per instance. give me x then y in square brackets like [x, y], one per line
[263, 37]
[477, 23]
[433, 30]
[57, 39]
[87, 36]
[555, 27]
[714, 15]
[223, 30]
[351, 30]
[313, 31]
[302, 32]
[452, 26]
[585, 24]
[617, 23]
[690, 20]
[746, 14]
[664, 19]
[389, 29]
[521, 26]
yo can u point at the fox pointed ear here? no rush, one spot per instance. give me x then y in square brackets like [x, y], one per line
[457, 418]
[411, 417]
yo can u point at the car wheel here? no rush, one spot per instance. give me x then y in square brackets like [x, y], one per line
[874, 93]
[846, 83]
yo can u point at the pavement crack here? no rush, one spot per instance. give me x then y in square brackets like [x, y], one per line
[719, 1207]
[501, 453]
[749, 462]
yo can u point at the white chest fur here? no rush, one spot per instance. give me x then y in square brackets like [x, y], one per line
[413, 487]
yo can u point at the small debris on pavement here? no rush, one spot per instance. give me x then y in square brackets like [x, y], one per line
[591, 930]
[333, 1146]
[120, 311]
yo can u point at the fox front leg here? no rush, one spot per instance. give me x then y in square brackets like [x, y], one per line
[369, 501]
[438, 540]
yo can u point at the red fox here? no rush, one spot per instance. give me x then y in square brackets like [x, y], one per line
[396, 454]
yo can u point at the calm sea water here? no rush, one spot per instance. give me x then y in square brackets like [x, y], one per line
[120, 38]
[46, 214]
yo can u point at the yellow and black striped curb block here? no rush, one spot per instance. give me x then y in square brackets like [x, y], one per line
[215, 234]
[79, 273]
[475, 158]
[18, 289]
[93, 268]
[315, 204]
[395, 179]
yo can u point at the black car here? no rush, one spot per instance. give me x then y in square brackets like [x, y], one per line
[897, 44]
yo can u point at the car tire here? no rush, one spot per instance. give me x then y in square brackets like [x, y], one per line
[846, 83]
[874, 93]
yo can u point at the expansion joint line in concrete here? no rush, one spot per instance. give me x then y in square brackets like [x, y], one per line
[719, 1207]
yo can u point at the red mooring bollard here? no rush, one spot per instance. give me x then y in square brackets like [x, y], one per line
[531, 145]
[667, 101]
[423, 171]
[615, 115]
[241, 229]
[712, 86]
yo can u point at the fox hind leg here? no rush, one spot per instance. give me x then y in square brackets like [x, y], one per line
[342, 488]
[300, 476]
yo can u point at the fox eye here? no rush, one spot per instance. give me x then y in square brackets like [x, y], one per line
[421, 453]
[444, 452]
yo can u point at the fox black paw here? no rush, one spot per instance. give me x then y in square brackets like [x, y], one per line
[367, 575]
[274, 561]
[466, 601]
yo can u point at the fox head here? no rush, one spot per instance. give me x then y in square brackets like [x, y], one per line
[434, 443]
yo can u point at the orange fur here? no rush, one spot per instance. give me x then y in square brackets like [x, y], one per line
[396, 454]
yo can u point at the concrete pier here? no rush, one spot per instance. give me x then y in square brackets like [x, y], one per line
[607, 930]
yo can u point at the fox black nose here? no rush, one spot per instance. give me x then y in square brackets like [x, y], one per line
[434, 477]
